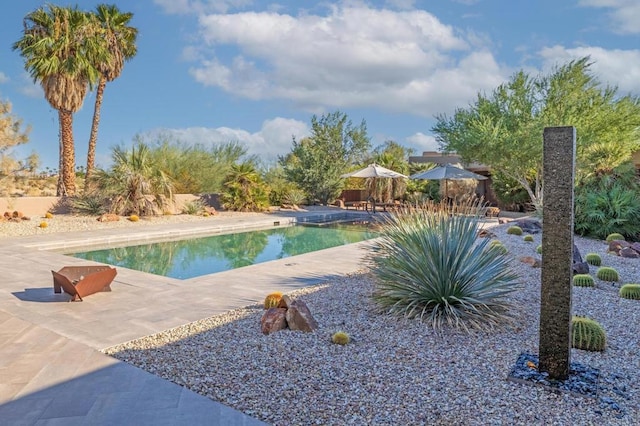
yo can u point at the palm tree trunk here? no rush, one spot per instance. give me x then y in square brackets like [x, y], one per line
[68, 152]
[93, 137]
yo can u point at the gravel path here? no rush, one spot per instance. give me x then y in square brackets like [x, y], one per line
[399, 372]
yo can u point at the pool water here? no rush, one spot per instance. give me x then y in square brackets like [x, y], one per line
[201, 256]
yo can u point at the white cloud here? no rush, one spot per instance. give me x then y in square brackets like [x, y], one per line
[625, 14]
[422, 142]
[273, 139]
[3, 78]
[614, 67]
[355, 56]
[180, 7]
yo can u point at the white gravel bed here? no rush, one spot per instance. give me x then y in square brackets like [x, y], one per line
[396, 371]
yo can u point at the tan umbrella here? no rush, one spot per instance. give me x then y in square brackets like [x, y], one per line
[447, 172]
[374, 171]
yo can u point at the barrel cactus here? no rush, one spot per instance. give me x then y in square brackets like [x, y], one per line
[514, 230]
[607, 274]
[497, 245]
[583, 280]
[528, 238]
[593, 259]
[539, 249]
[340, 338]
[272, 300]
[587, 334]
[615, 236]
[630, 291]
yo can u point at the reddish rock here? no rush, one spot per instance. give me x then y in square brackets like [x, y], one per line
[109, 217]
[285, 301]
[299, 317]
[483, 233]
[616, 245]
[274, 319]
[628, 252]
[532, 261]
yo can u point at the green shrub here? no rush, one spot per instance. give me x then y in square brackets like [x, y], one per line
[294, 197]
[244, 190]
[340, 338]
[428, 266]
[583, 280]
[528, 238]
[587, 334]
[514, 230]
[615, 237]
[195, 207]
[630, 291]
[593, 259]
[607, 274]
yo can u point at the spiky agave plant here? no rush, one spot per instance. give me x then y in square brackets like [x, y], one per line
[430, 266]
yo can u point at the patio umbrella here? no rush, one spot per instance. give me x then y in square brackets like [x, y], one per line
[374, 171]
[447, 172]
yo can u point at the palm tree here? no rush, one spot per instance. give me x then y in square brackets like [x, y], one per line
[119, 40]
[244, 190]
[54, 45]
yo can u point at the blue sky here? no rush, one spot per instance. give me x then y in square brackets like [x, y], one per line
[210, 71]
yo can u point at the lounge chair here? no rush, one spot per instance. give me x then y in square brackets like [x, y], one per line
[81, 281]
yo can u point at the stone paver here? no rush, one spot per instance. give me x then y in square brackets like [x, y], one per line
[51, 368]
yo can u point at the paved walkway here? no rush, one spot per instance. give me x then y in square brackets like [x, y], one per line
[51, 369]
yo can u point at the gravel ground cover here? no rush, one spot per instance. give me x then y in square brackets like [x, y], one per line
[400, 372]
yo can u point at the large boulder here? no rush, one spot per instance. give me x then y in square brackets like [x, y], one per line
[579, 266]
[274, 319]
[529, 226]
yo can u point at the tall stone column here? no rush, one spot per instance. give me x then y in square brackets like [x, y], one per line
[558, 174]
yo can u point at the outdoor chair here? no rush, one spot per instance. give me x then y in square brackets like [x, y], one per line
[81, 281]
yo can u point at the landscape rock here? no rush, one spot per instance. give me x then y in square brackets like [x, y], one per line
[628, 252]
[529, 226]
[532, 261]
[274, 319]
[299, 317]
[579, 266]
[108, 217]
[483, 233]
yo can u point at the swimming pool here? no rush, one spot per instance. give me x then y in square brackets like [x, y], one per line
[207, 255]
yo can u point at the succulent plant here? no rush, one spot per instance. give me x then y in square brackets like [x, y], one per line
[587, 334]
[134, 218]
[607, 274]
[340, 338]
[630, 291]
[497, 245]
[539, 249]
[43, 224]
[593, 259]
[583, 280]
[528, 238]
[272, 299]
[514, 230]
[48, 215]
[615, 236]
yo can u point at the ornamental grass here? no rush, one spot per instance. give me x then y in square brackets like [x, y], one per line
[430, 266]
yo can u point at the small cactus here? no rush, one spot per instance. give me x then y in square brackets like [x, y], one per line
[497, 245]
[43, 225]
[48, 215]
[587, 334]
[340, 338]
[539, 249]
[593, 259]
[528, 238]
[630, 291]
[583, 280]
[272, 299]
[607, 274]
[615, 236]
[514, 230]
[134, 218]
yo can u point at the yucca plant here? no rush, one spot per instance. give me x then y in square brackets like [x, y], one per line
[430, 266]
[194, 207]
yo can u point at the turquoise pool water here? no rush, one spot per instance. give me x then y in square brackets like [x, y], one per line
[201, 256]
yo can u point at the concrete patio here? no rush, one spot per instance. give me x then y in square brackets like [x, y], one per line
[51, 369]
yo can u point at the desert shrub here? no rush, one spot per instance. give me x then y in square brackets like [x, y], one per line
[528, 238]
[428, 265]
[514, 230]
[194, 207]
[593, 259]
[294, 197]
[244, 190]
[89, 204]
[630, 291]
[340, 338]
[583, 280]
[615, 236]
[587, 334]
[607, 274]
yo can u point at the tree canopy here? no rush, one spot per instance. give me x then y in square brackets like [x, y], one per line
[503, 129]
[315, 163]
